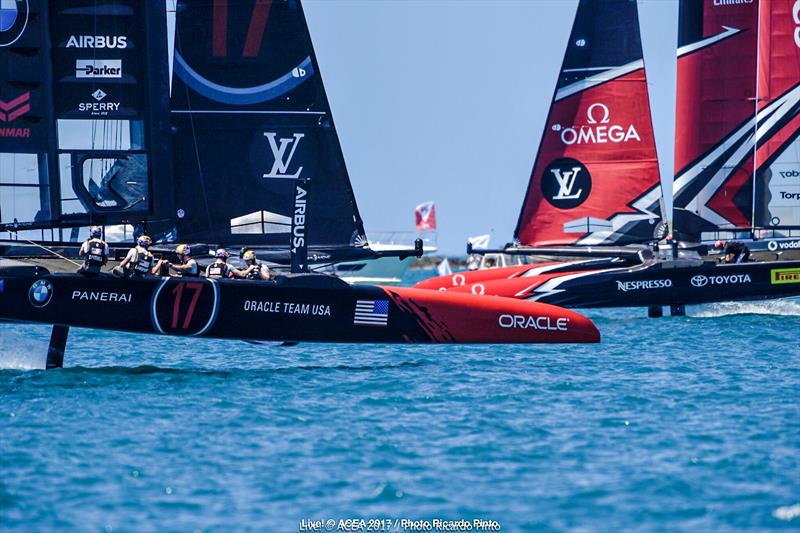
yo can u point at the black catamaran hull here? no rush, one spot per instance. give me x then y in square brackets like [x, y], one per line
[652, 284]
[308, 308]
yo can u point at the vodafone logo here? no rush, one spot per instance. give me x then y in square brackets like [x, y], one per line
[783, 245]
[598, 128]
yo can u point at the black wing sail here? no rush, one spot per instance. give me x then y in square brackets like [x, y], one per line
[27, 169]
[250, 117]
[97, 126]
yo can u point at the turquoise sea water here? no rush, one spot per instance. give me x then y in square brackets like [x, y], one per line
[670, 424]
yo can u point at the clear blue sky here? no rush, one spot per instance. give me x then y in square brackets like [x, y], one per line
[445, 100]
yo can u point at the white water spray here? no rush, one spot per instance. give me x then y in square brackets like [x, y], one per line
[786, 307]
[21, 352]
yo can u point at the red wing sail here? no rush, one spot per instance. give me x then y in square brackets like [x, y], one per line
[595, 179]
[737, 115]
[777, 198]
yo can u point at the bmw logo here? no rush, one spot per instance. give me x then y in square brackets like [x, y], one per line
[13, 20]
[40, 293]
[699, 280]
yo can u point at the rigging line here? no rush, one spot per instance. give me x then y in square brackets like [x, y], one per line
[322, 266]
[179, 48]
[45, 248]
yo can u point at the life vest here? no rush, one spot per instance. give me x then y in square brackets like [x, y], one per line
[255, 273]
[96, 255]
[217, 270]
[189, 273]
[142, 264]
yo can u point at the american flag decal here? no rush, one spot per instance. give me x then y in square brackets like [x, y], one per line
[371, 312]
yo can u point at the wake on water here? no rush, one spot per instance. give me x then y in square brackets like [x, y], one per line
[786, 307]
[21, 352]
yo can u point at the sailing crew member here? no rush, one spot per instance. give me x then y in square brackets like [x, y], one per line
[734, 251]
[220, 268]
[187, 267]
[254, 270]
[95, 251]
[139, 261]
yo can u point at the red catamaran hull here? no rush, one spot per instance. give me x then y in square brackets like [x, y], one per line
[651, 284]
[473, 276]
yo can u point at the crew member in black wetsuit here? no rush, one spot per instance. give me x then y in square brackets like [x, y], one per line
[254, 270]
[220, 269]
[734, 251]
[139, 262]
[187, 267]
[95, 251]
